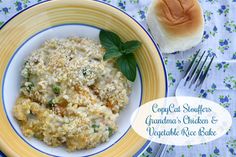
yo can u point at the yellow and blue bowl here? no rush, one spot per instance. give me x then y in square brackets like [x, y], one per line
[63, 17]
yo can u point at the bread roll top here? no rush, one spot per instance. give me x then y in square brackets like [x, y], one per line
[179, 17]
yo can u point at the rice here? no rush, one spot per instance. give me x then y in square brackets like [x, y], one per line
[69, 96]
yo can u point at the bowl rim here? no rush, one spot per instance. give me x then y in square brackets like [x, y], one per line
[4, 96]
[4, 82]
[148, 142]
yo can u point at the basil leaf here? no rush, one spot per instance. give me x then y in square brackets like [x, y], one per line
[115, 48]
[131, 46]
[127, 65]
[110, 40]
[111, 53]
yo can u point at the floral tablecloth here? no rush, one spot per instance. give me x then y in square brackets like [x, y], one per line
[220, 86]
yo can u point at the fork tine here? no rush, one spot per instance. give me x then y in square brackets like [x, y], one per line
[194, 67]
[204, 74]
[163, 153]
[191, 64]
[197, 73]
[160, 151]
[200, 73]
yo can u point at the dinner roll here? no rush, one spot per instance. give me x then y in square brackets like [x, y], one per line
[176, 25]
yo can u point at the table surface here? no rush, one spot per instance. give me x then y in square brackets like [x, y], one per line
[220, 85]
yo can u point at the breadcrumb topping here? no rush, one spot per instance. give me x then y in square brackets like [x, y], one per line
[69, 96]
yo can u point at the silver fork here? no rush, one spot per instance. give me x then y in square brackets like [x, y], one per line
[162, 151]
[191, 84]
[195, 75]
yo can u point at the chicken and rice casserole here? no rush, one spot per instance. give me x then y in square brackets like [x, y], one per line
[69, 96]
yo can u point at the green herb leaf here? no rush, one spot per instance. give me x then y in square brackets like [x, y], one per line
[56, 89]
[50, 103]
[110, 130]
[27, 74]
[110, 40]
[127, 65]
[115, 48]
[29, 86]
[111, 53]
[26, 62]
[95, 127]
[130, 46]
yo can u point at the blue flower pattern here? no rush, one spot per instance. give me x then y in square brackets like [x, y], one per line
[223, 45]
[212, 1]
[205, 36]
[5, 10]
[171, 79]
[231, 145]
[223, 10]
[204, 92]
[224, 100]
[211, 53]
[222, 34]
[18, 5]
[180, 65]
[134, 1]
[147, 153]
[234, 55]
[214, 31]
[230, 82]
[222, 66]
[230, 26]
[207, 15]
[170, 149]
[122, 4]
[142, 14]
